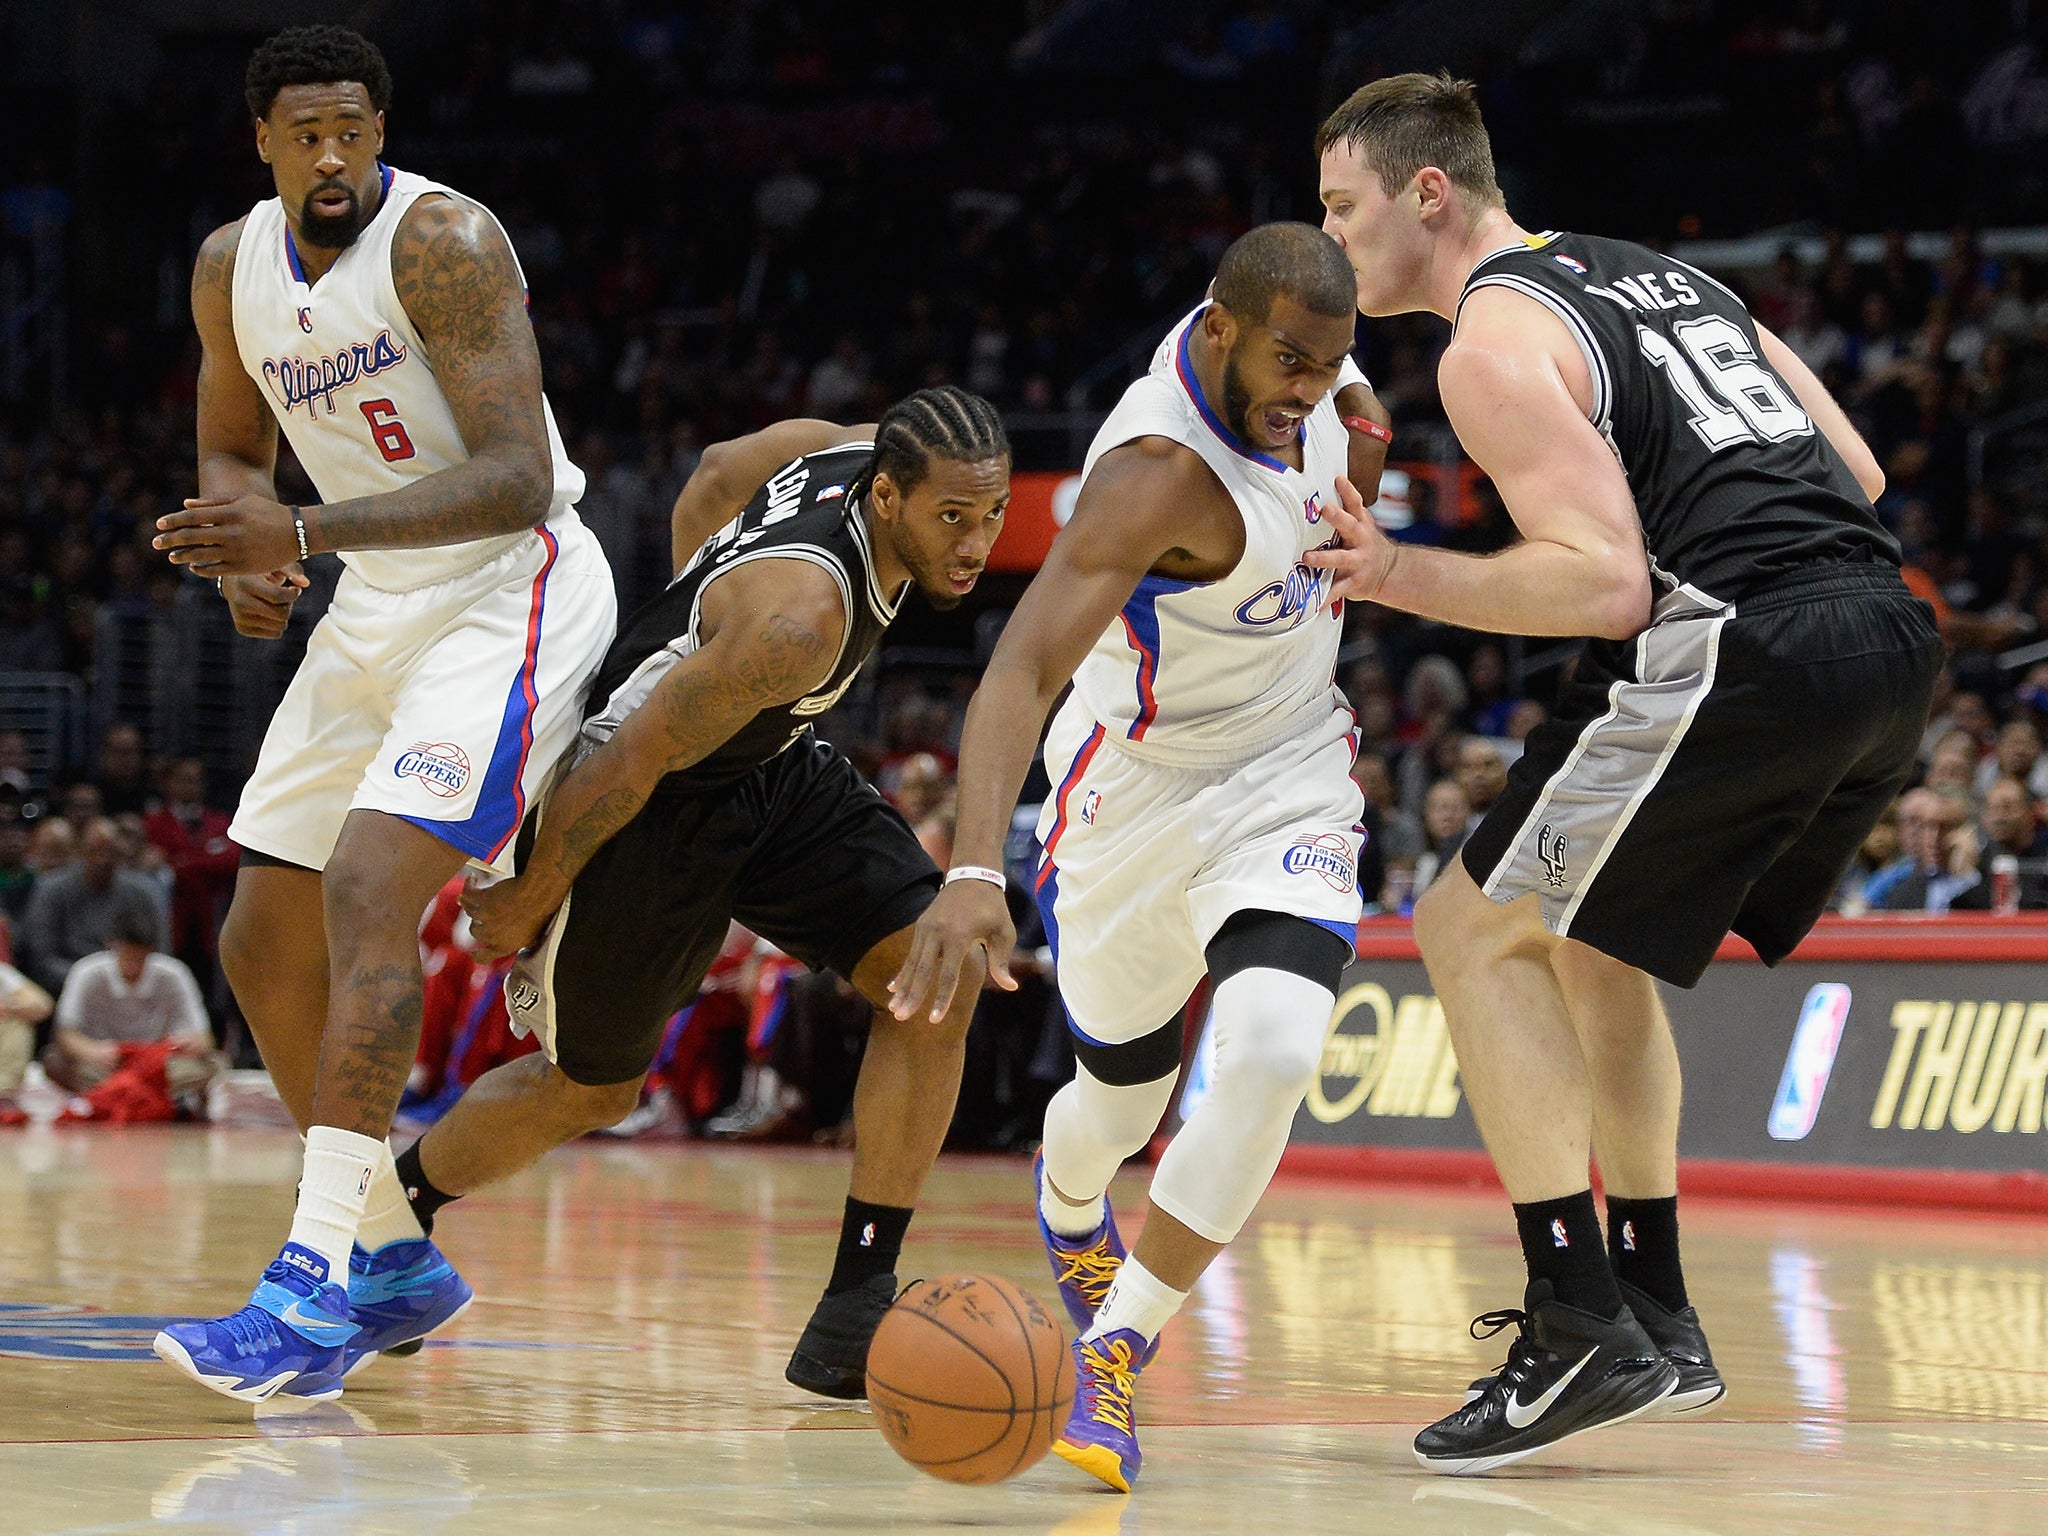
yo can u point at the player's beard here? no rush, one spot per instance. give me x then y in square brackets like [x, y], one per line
[332, 232]
[1237, 400]
[937, 590]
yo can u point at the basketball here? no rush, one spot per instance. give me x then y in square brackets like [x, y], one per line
[970, 1378]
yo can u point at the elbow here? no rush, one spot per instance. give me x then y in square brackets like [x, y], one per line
[1871, 478]
[1621, 611]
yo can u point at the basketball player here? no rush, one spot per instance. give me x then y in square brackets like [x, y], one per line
[701, 795]
[1690, 496]
[380, 319]
[1204, 818]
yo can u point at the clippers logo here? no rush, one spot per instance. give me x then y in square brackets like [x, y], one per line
[1091, 806]
[305, 320]
[1565, 261]
[1327, 856]
[1312, 509]
[307, 380]
[1557, 1236]
[440, 765]
[1550, 851]
[1290, 603]
[1810, 1061]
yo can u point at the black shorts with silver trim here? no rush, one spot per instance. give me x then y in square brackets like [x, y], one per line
[802, 851]
[1718, 772]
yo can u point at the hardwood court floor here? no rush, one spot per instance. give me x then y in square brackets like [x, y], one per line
[621, 1371]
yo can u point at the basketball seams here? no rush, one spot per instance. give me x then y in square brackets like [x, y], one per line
[978, 1352]
[1030, 1354]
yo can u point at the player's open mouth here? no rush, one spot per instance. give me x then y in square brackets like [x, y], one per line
[963, 584]
[333, 204]
[1282, 423]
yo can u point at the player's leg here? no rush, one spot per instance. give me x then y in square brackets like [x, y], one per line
[273, 949]
[505, 1122]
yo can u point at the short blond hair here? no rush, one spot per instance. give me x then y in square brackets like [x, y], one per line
[1402, 123]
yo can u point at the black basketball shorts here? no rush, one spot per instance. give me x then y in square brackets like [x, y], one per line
[1718, 772]
[802, 850]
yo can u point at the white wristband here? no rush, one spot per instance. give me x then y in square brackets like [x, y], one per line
[994, 877]
[299, 528]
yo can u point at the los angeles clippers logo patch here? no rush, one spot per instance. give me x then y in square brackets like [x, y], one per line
[305, 320]
[306, 380]
[1325, 855]
[441, 766]
[1550, 850]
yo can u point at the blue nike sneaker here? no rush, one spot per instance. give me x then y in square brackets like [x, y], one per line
[1083, 1267]
[398, 1295]
[295, 1330]
[1101, 1437]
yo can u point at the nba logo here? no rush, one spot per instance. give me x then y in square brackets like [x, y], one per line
[1091, 806]
[1565, 261]
[1807, 1065]
[305, 319]
[1557, 1232]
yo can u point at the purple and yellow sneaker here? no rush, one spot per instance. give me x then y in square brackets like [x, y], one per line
[1101, 1437]
[294, 1332]
[398, 1295]
[1083, 1267]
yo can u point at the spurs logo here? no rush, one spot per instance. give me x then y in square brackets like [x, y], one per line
[1550, 849]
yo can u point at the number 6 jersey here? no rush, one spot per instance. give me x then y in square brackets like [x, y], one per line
[351, 382]
[1735, 486]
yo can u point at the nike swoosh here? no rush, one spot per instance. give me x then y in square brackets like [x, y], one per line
[1522, 1417]
[316, 1327]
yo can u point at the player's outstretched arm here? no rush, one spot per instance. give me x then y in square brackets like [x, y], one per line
[771, 632]
[1581, 568]
[1140, 504]
[1827, 414]
[1367, 456]
[729, 473]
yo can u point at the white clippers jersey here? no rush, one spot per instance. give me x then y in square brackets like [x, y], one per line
[1206, 673]
[351, 383]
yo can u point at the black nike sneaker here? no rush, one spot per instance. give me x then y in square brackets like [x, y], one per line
[1684, 1343]
[831, 1359]
[1567, 1372]
[1679, 1335]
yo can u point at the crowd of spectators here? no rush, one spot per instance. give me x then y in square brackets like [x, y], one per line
[727, 216]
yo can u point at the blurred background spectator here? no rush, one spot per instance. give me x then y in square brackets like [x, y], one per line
[117, 1004]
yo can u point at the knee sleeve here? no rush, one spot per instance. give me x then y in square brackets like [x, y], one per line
[1267, 1029]
[1092, 1126]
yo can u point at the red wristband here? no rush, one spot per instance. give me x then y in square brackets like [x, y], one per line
[1370, 428]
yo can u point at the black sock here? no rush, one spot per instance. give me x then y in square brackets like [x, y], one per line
[1561, 1240]
[870, 1238]
[419, 1192]
[1642, 1242]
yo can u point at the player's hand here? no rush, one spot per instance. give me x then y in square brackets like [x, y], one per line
[243, 537]
[261, 606]
[1363, 557]
[506, 916]
[967, 915]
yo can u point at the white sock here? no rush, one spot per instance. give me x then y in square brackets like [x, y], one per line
[1064, 1216]
[1138, 1300]
[387, 1214]
[339, 1167]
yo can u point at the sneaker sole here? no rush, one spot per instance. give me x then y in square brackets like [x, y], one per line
[1098, 1461]
[824, 1380]
[1470, 1466]
[1693, 1404]
[172, 1353]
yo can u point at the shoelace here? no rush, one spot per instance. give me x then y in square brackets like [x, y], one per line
[1114, 1366]
[1092, 1269]
[1518, 1352]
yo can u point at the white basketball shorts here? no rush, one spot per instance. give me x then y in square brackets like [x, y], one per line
[1144, 863]
[448, 705]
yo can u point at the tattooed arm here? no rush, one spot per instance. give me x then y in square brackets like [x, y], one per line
[455, 274]
[770, 631]
[729, 473]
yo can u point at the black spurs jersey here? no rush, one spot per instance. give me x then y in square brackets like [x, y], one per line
[1735, 485]
[807, 512]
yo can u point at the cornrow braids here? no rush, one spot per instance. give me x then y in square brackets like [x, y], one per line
[944, 422]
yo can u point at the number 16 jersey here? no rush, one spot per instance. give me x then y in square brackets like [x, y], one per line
[1736, 487]
[353, 386]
